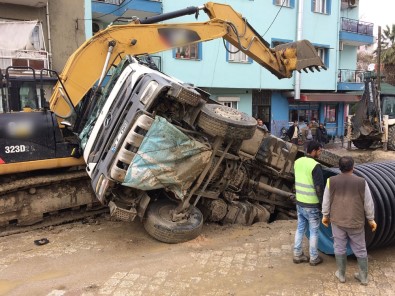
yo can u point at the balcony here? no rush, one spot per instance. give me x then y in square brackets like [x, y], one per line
[108, 11]
[355, 32]
[351, 80]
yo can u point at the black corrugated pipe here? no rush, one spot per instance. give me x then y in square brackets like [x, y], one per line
[380, 177]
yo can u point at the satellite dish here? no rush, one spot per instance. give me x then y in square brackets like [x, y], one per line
[371, 67]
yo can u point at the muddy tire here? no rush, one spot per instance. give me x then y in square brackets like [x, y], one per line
[226, 122]
[391, 138]
[362, 144]
[160, 226]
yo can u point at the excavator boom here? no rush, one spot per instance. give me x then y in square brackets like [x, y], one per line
[85, 66]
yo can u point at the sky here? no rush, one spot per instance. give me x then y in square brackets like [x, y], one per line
[379, 12]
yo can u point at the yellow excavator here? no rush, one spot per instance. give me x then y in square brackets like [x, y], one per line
[55, 135]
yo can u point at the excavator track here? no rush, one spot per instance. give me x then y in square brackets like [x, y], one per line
[31, 201]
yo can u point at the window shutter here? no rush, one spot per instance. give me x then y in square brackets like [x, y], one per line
[328, 6]
[200, 55]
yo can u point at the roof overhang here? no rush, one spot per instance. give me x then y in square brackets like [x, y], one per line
[327, 97]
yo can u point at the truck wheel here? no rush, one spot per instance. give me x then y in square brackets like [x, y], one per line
[362, 144]
[391, 138]
[223, 121]
[160, 226]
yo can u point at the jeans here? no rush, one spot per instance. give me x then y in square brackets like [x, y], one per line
[307, 217]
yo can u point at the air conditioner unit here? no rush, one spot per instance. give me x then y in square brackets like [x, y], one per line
[97, 26]
[353, 3]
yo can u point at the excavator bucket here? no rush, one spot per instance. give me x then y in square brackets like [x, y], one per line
[301, 55]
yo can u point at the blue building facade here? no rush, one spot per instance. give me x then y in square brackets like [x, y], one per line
[332, 26]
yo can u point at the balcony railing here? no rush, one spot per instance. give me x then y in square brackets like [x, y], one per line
[356, 26]
[36, 59]
[351, 76]
[116, 2]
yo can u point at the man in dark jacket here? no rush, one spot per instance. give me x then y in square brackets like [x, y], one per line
[309, 187]
[346, 203]
[322, 134]
[293, 132]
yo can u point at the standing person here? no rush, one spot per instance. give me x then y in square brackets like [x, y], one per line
[322, 134]
[347, 201]
[293, 132]
[314, 127]
[309, 186]
[307, 136]
[262, 125]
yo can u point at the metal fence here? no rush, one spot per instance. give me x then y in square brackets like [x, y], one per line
[356, 26]
[353, 76]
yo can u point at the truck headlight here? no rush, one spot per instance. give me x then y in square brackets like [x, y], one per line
[148, 93]
[101, 188]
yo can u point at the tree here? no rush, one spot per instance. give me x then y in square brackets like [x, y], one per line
[388, 45]
[364, 59]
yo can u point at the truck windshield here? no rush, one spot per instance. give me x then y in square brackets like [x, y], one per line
[98, 106]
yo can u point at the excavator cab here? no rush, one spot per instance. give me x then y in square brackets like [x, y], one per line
[29, 132]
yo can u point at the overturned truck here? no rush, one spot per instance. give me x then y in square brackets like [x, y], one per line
[162, 150]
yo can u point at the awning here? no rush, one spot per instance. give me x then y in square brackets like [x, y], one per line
[327, 97]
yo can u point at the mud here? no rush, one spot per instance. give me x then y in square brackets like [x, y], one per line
[103, 257]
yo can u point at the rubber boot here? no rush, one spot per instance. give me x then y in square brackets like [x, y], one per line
[341, 262]
[362, 275]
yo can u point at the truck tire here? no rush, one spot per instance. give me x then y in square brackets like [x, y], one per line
[391, 138]
[362, 144]
[226, 122]
[159, 225]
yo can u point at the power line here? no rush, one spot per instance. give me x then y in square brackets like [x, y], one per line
[120, 6]
[282, 5]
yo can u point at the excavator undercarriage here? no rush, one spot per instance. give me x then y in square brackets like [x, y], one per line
[45, 198]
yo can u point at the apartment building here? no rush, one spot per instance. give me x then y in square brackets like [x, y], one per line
[232, 78]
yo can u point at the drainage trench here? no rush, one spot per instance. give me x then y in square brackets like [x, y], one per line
[380, 177]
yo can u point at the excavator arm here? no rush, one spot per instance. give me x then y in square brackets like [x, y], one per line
[91, 61]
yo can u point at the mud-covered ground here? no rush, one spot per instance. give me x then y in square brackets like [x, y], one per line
[361, 156]
[103, 257]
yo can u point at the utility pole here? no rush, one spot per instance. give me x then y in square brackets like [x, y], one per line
[379, 60]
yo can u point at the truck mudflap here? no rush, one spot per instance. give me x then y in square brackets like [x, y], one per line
[167, 158]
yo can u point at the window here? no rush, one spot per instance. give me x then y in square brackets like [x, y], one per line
[323, 53]
[389, 106]
[37, 38]
[236, 56]
[285, 3]
[330, 113]
[321, 6]
[303, 112]
[232, 102]
[261, 105]
[189, 52]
